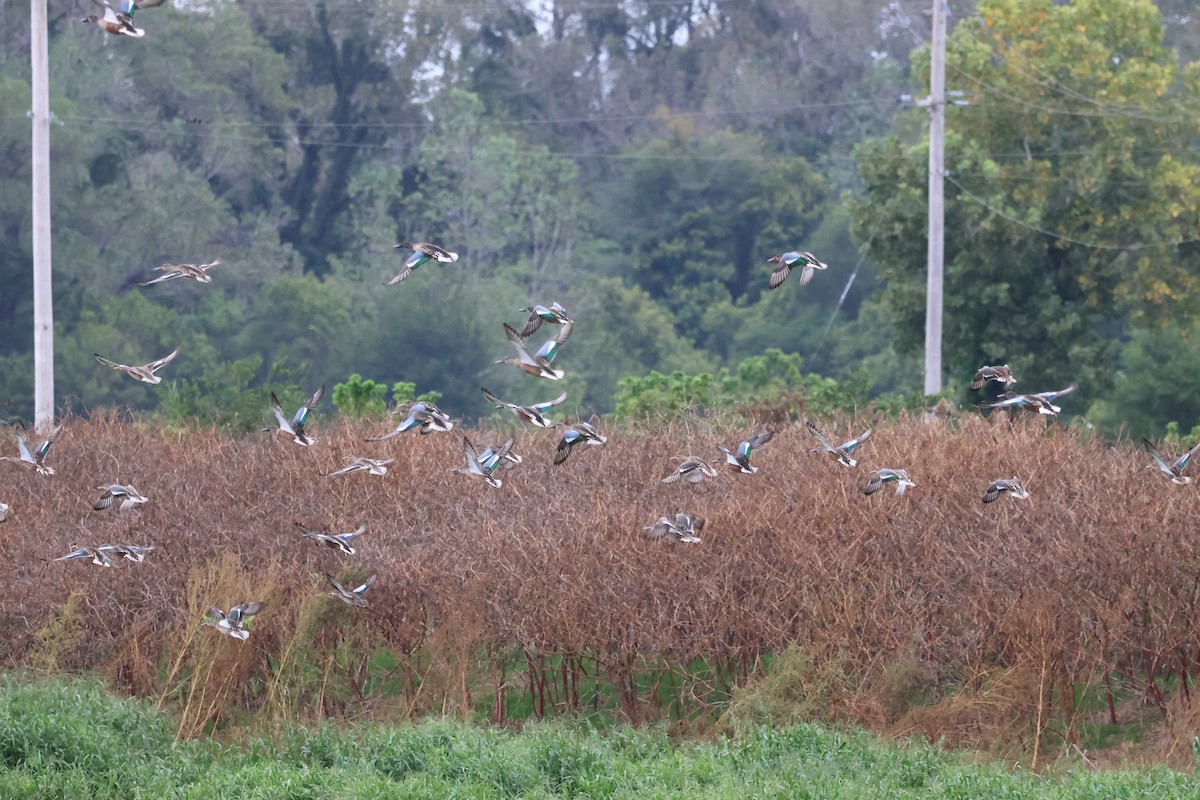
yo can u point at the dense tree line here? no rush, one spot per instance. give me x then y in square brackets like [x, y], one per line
[636, 161]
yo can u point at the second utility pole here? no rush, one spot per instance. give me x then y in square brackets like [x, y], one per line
[937, 136]
[43, 310]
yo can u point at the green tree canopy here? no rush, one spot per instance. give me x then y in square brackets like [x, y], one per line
[1072, 205]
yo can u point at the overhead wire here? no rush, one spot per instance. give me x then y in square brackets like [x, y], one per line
[1055, 235]
[1046, 82]
[990, 89]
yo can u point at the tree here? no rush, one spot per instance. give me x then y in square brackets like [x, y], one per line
[1071, 207]
[1156, 384]
[700, 211]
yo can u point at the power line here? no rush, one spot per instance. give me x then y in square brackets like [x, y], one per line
[652, 117]
[998, 92]
[1040, 79]
[840, 301]
[1095, 245]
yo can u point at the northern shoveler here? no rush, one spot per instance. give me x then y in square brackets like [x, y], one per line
[96, 554]
[685, 527]
[1174, 470]
[1001, 373]
[692, 468]
[843, 451]
[120, 23]
[129, 496]
[539, 364]
[133, 552]
[1042, 402]
[197, 272]
[577, 433]
[295, 428]
[374, 466]
[740, 461]
[896, 476]
[493, 457]
[424, 415]
[353, 597]
[35, 458]
[785, 262]
[423, 252]
[144, 373]
[532, 415]
[475, 469]
[338, 541]
[234, 623]
[555, 315]
[1012, 486]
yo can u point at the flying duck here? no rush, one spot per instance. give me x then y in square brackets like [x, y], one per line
[786, 261]
[128, 495]
[1042, 402]
[423, 252]
[539, 364]
[295, 428]
[197, 272]
[692, 468]
[339, 541]
[532, 415]
[352, 597]
[424, 415]
[575, 434]
[740, 462]
[374, 466]
[555, 314]
[1174, 470]
[1001, 374]
[475, 469]
[685, 527]
[1012, 486]
[843, 451]
[97, 554]
[896, 476]
[35, 458]
[144, 373]
[234, 623]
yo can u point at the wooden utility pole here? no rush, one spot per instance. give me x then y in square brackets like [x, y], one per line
[43, 308]
[937, 137]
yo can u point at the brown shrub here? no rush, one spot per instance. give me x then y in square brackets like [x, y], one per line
[1095, 576]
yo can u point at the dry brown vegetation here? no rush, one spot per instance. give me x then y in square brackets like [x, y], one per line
[928, 612]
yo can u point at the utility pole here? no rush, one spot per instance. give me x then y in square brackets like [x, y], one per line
[937, 137]
[43, 308]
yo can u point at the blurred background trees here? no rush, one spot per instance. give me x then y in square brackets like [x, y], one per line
[637, 162]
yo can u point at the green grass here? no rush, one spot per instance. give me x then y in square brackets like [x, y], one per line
[73, 740]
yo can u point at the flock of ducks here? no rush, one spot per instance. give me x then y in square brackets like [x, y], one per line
[485, 464]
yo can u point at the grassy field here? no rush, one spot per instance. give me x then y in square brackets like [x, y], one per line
[74, 740]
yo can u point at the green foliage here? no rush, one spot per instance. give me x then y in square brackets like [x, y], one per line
[1156, 381]
[699, 211]
[404, 392]
[770, 378]
[74, 740]
[224, 394]
[358, 398]
[58, 635]
[794, 690]
[1024, 283]
[710, 141]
